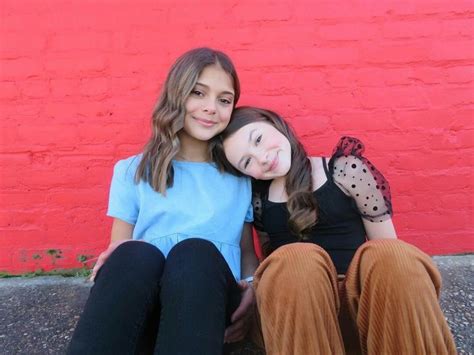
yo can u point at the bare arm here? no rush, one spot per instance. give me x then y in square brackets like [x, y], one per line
[241, 316]
[249, 261]
[380, 230]
[121, 232]
[264, 240]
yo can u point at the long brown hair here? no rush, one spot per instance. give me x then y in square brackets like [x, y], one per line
[168, 115]
[301, 204]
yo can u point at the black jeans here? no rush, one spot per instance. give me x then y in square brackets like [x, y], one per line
[141, 303]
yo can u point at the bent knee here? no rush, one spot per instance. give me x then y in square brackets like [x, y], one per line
[132, 251]
[193, 246]
[305, 255]
[388, 252]
[296, 264]
[192, 257]
[136, 259]
[396, 259]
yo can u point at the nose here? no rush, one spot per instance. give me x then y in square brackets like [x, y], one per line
[262, 158]
[209, 107]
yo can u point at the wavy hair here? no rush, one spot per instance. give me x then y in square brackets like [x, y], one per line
[168, 115]
[301, 204]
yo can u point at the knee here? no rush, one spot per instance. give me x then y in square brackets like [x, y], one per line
[396, 260]
[297, 265]
[193, 265]
[137, 259]
[193, 247]
[192, 257]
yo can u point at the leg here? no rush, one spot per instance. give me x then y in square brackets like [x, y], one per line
[298, 302]
[392, 292]
[123, 298]
[198, 296]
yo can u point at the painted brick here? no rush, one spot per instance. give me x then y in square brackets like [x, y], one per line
[78, 82]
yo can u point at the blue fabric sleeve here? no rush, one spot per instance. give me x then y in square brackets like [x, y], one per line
[123, 198]
[249, 214]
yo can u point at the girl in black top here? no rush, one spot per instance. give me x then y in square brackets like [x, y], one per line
[313, 216]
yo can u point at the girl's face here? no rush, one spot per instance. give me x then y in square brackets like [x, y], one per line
[259, 150]
[210, 104]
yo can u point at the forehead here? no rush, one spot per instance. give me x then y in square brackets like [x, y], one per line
[216, 78]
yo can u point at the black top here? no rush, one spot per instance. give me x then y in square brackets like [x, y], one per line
[339, 230]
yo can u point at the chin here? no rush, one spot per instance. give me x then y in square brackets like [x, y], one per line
[283, 173]
[205, 136]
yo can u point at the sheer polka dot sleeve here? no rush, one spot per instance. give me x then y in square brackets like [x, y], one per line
[361, 180]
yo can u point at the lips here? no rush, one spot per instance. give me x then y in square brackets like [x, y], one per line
[274, 163]
[204, 122]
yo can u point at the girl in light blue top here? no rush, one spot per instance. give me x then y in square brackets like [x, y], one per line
[186, 290]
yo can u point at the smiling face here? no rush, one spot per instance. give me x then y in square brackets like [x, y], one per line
[259, 150]
[209, 105]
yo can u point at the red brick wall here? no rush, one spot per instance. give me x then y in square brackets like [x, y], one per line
[79, 80]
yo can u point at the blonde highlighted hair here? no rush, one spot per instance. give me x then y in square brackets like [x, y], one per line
[168, 115]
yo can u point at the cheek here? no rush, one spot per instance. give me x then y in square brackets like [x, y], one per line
[225, 114]
[257, 173]
[191, 104]
[272, 143]
[231, 154]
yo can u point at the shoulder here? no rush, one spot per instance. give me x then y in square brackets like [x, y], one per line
[319, 171]
[127, 167]
[211, 174]
[348, 146]
[241, 180]
[358, 177]
[317, 163]
[348, 152]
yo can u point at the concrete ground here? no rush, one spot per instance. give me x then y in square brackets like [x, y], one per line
[38, 315]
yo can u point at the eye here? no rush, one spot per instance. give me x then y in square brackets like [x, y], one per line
[247, 162]
[197, 92]
[258, 140]
[225, 101]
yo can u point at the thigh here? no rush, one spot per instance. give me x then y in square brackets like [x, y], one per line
[198, 296]
[121, 301]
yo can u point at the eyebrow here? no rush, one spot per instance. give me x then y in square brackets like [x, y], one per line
[223, 92]
[251, 133]
[250, 139]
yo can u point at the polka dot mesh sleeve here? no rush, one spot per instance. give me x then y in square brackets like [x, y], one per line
[361, 180]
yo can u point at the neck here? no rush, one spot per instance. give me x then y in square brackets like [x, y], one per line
[192, 149]
[279, 185]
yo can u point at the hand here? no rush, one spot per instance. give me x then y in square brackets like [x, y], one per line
[104, 256]
[241, 317]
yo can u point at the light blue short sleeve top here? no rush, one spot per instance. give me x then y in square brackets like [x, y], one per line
[202, 203]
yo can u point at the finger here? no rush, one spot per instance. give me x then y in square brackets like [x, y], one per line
[243, 285]
[97, 265]
[245, 304]
[232, 331]
[236, 336]
[100, 261]
[93, 274]
[239, 325]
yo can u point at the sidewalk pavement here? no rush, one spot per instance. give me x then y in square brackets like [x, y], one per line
[38, 315]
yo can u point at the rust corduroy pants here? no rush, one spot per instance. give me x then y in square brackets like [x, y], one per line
[390, 291]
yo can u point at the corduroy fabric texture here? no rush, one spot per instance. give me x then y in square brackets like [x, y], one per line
[390, 292]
